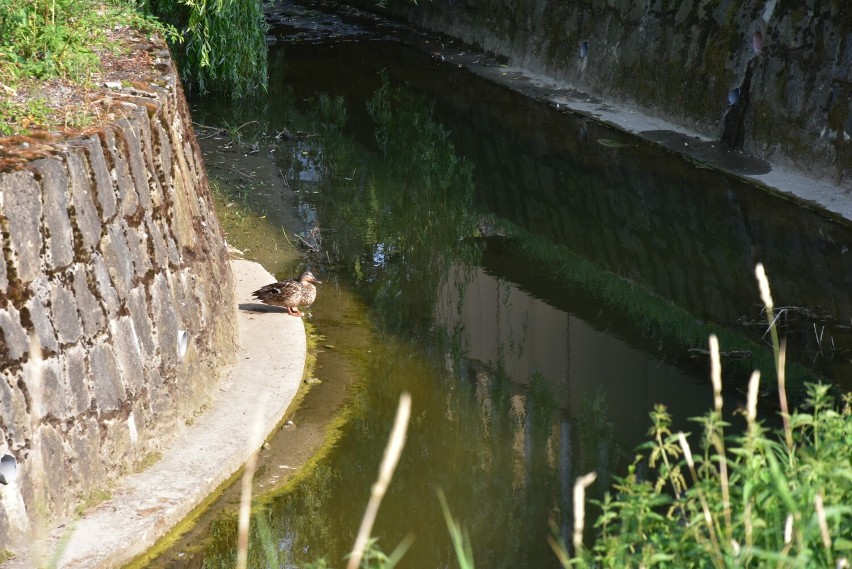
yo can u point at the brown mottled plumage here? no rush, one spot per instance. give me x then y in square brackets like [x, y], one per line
[290, 294]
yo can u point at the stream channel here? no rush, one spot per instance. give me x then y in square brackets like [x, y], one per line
[537, 282]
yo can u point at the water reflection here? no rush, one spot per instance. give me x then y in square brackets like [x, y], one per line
[521, 379]
[506, 329]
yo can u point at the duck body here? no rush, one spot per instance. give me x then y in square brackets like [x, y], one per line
[290, 294]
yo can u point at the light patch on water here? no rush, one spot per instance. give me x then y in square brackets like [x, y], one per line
[769, 10]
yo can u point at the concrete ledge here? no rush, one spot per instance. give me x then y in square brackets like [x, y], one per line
[245, 410]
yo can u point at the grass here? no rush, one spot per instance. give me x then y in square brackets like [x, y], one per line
[768, 497]
[60, 43]
[148, 461]
[219, 45]
[44, 39]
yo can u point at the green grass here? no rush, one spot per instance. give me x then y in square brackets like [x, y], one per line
[44, 39]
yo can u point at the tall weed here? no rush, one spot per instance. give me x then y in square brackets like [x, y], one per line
[767, 497]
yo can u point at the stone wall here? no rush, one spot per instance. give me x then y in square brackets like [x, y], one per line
[116, 303]
[791, 62]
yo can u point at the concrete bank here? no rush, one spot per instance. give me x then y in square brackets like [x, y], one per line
[243, 412]
[769, 78]
[808, 182]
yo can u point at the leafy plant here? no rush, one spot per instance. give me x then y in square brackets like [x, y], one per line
[765, 497]
[223, 43]
[19, 117]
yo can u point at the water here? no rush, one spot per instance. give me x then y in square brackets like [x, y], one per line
[535, 281]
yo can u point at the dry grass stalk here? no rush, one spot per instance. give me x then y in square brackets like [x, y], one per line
[751, 402]
[393, 450]
[716, 372]
[718, 441]
[763, 283]
[245, 512]
[580, 486]
[708, 517]
[823, 523]
[782, 394]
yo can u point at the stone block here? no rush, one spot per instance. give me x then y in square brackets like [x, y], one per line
[90, 309]
[15, 342]
[54, 188]
[107, 293]
[82, 198]
[116, 256]
[4, 279]
[100, 174]
[145, 136]
[182, 227]
[76, 379]
[158, 243]
[171, 245]
[42, 326]
[107, 388]
[21, 206]
[129, 353]
[85, 441]
[137, 306]
[129, 130]
[163, 159]
[165, 319]
[128, 201]
[116, 447]
[48, 461]
[162, 401]
[191, 309]
[66, 320]
[13, 410]
[137, 242]
[43, 380]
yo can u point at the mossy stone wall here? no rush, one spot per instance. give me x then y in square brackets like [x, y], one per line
[680, 59]
[117, 314]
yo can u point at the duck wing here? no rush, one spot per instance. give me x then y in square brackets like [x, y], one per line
[282, 291]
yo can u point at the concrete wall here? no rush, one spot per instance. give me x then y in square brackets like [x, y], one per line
[111, 256]
[680, 59]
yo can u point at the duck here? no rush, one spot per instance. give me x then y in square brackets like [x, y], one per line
[290, 293]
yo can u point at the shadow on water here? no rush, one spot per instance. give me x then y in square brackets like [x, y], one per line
[535, 281]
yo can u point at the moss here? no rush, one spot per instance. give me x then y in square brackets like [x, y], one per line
[148, 461]
[92, 499]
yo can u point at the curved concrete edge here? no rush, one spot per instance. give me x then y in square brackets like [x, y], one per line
[244, 411]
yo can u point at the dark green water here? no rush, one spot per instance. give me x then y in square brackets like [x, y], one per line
[533, 359]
